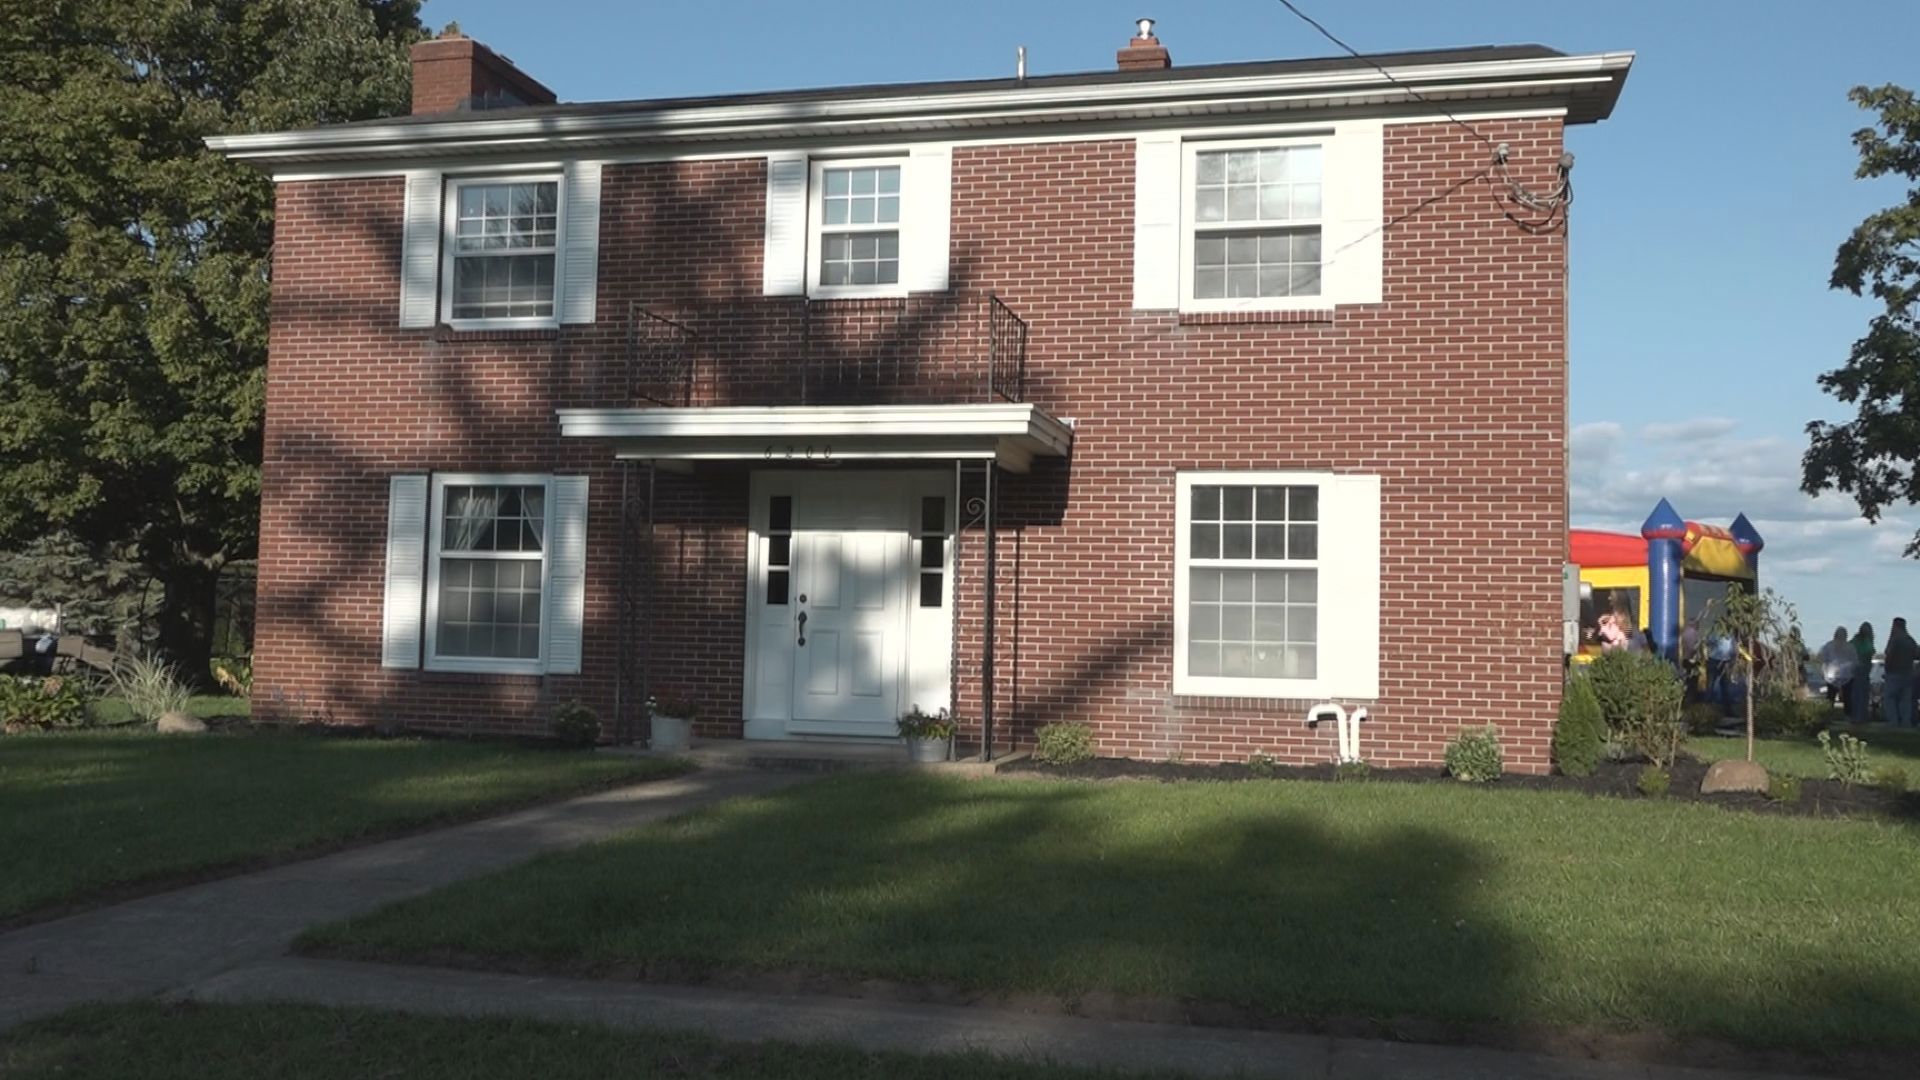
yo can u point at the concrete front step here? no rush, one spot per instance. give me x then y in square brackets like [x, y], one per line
[817, 755]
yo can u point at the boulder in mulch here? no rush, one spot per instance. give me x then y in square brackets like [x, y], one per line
[179, 723]
[1734, 775]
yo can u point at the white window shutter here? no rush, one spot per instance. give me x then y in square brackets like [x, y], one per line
[1350, 586]
[420, 251]
[1156, 222]
[1354, 242]
[927, 223]
[566, 573]
[581, 250]
[785, 270]
[406, 571]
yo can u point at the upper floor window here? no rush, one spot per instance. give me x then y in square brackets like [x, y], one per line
[856, 228]
[1253, 234]
[501, 251]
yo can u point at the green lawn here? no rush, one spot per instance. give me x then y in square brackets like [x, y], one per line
[288, 1042]
[99, 811]
[113, 710]
[1438, 902]
[1801, 755]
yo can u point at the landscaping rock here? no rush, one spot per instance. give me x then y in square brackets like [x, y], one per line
[1724, 776]
[179, 723]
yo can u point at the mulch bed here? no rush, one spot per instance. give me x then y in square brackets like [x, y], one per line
[1818, 798]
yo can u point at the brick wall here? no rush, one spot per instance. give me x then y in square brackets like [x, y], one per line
[1453, 391]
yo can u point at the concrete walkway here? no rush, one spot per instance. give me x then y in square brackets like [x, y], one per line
[173, 940]
[910, 1028]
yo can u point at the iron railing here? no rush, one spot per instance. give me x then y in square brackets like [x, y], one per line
[659, 358]
[923, 349]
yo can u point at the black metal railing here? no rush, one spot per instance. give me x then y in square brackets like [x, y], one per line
[659, 358]
[1006, 351]
[949, 348]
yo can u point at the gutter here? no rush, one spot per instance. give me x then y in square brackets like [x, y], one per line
[1591, 82]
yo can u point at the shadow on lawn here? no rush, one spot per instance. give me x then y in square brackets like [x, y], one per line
[1030, 895]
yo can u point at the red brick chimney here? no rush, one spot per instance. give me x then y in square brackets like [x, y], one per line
[454, 71]
[1143, 53]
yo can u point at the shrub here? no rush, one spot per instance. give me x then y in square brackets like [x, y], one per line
[915, 724]
[1783, 788]
[1474, 756]
[1640, 699]
[1791, 716]
[1654, 782]
[1846, 759]
[1355, 771]
[1259, 763]
[1580, 733]
[1890, 778]
[574, 724]
[1064, 744]
[149, 686]
[57, 701]
[235, 676]
[1703, 717]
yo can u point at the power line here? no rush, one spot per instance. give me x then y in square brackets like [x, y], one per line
[1384, 73]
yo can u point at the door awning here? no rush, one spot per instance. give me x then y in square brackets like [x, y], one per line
[1010, 434]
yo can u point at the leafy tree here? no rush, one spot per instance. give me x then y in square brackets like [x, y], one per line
[134, 265]
[1873, 456]
[1765, 630]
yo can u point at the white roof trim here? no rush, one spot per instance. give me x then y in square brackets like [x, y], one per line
[1594, 77]
[1011, 434]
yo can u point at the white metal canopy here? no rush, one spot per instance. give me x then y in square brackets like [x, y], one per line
[1009, 434]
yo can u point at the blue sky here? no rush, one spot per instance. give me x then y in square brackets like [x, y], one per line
[1707, 212]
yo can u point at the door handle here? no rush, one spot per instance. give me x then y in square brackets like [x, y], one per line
[803, 628]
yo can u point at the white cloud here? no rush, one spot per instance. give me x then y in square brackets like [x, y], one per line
[1687, 431]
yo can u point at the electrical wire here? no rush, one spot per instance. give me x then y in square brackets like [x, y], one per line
[1551, 209]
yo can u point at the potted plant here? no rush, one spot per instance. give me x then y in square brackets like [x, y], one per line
[929, 736]
[672, 722]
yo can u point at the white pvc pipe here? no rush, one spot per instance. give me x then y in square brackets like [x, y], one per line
[1353, 740]
[1330, 711]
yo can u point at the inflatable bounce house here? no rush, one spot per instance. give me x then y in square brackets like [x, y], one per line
[1676, 571]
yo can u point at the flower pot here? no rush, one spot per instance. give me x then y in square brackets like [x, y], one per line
[929, 751]
[670, 733]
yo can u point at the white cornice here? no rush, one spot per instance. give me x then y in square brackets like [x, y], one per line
[1586, 85]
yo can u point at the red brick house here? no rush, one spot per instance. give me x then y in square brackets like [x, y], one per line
[1171, 399]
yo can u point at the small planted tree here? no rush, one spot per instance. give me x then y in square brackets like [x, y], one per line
[1765, 630]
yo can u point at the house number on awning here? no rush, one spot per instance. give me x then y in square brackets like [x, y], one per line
[808, 452]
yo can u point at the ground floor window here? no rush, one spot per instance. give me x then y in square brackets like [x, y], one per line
[487, 572]
[1255, 556]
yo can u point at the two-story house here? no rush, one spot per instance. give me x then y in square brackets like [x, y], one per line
[1174, 400]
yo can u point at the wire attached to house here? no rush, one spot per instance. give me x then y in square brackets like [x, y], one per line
[1549, 209]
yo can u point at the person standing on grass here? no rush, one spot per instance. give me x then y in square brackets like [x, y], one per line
[1861, 699]
[1896, 690]
[1836, 667]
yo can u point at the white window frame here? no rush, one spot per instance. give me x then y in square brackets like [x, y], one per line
[1185, 684]
[436, 521]
[816, 226]
[1190, 151]
[449, 219]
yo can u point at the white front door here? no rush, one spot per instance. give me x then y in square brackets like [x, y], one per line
[845, 629]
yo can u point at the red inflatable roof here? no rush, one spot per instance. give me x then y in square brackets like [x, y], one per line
[1591, 547]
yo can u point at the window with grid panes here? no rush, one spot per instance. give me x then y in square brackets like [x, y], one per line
[859, 242]
[503, 248]
[491, 561]
[1257, 222]
[1253, 581]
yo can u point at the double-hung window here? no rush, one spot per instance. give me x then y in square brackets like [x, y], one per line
[487, 572]
[1276, 585]
[501, 251]
[1253, 235]
[856, 234]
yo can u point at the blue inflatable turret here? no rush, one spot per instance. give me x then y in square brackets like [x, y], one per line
[1663, 531]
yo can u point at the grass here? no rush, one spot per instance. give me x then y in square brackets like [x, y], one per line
[1800, 755]
[113, 710]
[1295, 900]
[291, 1042]
[92, 812]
